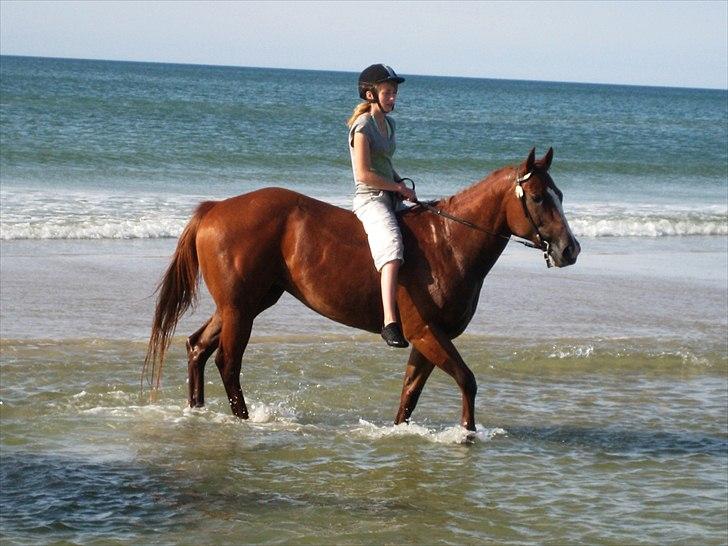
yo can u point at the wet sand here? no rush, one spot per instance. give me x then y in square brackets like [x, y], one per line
[648, 288]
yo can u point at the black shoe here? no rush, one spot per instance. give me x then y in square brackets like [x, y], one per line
[392, 334]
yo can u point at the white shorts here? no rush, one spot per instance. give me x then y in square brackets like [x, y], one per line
[377, 213]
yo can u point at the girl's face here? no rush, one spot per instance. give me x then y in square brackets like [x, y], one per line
[387, 95]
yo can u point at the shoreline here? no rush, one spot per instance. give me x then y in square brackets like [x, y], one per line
[77, 289]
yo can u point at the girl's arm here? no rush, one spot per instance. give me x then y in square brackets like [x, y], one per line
[364, 172]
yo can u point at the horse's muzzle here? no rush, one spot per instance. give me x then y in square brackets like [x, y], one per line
[567, 255]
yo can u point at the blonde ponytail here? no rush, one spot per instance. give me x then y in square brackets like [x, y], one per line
[360, 109]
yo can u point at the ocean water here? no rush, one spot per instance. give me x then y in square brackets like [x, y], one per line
[97, 150]
[602, 409]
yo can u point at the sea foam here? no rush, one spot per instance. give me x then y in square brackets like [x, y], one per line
[31, 214]
[450, 435]
[161, 226]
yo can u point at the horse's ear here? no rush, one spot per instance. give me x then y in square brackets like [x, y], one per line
[546, 160]
[531, 160]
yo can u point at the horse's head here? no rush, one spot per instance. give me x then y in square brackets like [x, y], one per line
[534, 212]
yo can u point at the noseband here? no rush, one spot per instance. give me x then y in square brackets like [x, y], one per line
[541, 242]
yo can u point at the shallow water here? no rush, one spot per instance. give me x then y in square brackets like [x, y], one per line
[600, 448]
[600, 420]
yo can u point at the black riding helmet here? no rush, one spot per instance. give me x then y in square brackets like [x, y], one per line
[374, 74]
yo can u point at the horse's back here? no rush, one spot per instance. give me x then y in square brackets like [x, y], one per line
[273, 236]
[249, 219]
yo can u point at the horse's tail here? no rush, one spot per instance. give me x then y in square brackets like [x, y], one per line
[177, 292]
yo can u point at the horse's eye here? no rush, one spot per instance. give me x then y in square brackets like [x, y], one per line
[537, 198]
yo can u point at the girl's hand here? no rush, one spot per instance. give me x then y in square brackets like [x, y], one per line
[407, 193]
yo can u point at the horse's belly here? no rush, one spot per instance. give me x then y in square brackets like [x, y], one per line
[337, 280]
[355, 307]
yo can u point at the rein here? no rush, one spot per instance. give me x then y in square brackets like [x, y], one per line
[543, 244]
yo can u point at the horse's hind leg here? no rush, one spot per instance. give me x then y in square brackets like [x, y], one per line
[200, 347]
[234, 338]
[204, 342]
[415, 377]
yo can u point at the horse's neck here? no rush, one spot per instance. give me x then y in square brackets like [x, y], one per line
[491, 186]
[483, 205]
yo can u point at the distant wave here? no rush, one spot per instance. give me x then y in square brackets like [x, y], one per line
[90, 229]
[106, 227]
[636, 226]
[642, 220]
[97, 215]
[34, 214]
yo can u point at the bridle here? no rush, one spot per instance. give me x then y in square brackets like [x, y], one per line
[541, 242]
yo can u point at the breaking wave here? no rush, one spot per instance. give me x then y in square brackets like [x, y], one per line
[42, 217]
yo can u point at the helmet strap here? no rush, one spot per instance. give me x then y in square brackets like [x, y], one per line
[375, 100]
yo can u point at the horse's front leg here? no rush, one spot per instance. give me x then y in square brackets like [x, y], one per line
[415, 377]
[439, 350]
[200, 347]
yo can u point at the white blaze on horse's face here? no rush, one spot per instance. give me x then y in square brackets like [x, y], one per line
[565, 248]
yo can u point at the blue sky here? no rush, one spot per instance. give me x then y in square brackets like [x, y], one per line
[666, 43]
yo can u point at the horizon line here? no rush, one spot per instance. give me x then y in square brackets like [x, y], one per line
[575, 82]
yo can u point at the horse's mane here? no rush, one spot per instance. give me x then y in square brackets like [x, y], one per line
[488, 182]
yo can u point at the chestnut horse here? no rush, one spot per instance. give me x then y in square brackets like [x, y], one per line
[252, 248]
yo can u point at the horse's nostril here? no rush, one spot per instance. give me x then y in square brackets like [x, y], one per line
[572, 251]
[567, 254]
